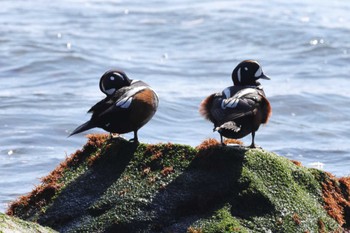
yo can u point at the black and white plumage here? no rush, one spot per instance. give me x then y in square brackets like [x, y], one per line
[240, 109]
[129, 105]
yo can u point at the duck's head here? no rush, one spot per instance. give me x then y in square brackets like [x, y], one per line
[113, 80]
[247, 73]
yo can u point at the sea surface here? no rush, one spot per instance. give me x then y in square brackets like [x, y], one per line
[53, 53]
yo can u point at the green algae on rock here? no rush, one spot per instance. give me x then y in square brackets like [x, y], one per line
[12, 224]
[117, 186]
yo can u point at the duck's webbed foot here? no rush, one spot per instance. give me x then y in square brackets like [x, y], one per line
[253, 145]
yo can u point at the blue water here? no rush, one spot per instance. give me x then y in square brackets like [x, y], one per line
[52, 54]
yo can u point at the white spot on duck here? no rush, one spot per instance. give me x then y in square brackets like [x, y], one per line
[119, 75]
[258, 73]
[239, 75]
[127, 98]
[227, 92]
[134, 81]
[229, 103]
[233, 102]
[110, 91]
[124, 103]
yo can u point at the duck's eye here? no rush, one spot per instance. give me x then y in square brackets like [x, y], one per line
[111, 78]
[246, 68]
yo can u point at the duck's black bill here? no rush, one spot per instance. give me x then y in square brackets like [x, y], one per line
[263, 76]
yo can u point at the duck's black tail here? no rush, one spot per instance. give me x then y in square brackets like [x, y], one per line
[86, 126]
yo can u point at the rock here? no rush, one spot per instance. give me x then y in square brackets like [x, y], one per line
[117, 186]
[15, 225]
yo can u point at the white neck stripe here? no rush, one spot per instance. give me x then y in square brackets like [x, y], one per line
[239, 74]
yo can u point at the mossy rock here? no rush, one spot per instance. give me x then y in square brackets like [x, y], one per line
[12, 225]
[113, 185]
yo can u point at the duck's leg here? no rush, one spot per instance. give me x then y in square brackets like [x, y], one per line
[135, 139]
[253, 144]
[222, 140]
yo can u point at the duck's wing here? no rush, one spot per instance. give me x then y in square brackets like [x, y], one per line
[245, 102]
[99, 106]
[122, 101]
[115, 104]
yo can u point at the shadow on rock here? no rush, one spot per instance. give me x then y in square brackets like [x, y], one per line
[209, 182]
[73, 201]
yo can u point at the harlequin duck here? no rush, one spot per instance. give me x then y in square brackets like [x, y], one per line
[240, 109]
[129, 105]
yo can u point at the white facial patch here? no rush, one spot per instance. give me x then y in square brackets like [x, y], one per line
[258, 73]
[110, 91]
[239, 75]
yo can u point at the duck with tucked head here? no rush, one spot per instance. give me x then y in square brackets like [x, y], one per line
[129, 105]
[239, 109]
